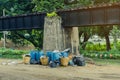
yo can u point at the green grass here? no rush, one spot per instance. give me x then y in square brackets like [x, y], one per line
[12, 54]
[107, 61]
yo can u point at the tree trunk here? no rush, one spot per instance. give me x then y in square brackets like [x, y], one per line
[80, 34]
[86, 38]
[107, 43]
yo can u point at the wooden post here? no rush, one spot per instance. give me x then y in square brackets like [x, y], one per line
[53, 34]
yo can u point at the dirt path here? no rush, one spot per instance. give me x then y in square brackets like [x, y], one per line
[38, 72]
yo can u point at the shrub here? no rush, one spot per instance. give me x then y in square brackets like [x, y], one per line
[10, 53]
[112, 54]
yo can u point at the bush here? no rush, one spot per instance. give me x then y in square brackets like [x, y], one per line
[10, 53]
[95, 47]
[112, 54]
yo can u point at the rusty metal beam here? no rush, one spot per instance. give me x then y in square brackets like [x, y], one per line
[31, 21]
[91, 17]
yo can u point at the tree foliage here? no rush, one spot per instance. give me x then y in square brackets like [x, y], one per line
[47, 5]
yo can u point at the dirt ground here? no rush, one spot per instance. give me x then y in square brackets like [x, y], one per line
[38, 72]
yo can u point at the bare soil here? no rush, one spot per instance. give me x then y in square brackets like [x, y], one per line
[38, 72]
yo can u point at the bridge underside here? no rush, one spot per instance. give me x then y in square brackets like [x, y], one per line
[96, 16]
[22, 22]
[87, 16]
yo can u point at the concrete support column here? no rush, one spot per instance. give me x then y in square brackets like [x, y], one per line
[58, 38]
[75, 40]
[53, 34]
[72, 39]
[67, 37]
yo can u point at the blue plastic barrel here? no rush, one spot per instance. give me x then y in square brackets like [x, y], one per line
[55, 56]
[49, 55]
[38, 54]
[32, 55]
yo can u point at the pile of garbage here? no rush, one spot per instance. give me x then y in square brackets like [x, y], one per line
[53, 58]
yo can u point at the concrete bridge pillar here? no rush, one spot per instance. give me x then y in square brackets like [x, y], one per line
[58, 38]
[53, 34]
[75, 40]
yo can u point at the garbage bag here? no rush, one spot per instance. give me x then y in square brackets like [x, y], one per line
[52, 64]
[79, 60]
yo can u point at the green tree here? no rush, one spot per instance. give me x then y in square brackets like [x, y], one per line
[115, 33]
[34, 36]
[47, 5]
[102, 31]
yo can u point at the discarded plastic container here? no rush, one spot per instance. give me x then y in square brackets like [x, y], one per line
[38, 54]
[55, 56]
[64, 54]
[32, 55]
[49, 55]
[35, 57]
